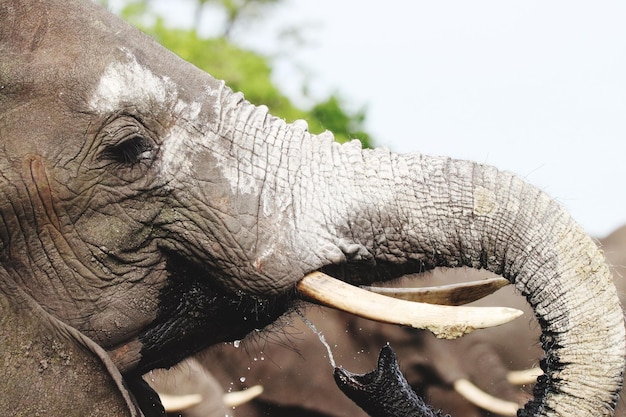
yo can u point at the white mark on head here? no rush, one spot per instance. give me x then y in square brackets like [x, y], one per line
[131, 83]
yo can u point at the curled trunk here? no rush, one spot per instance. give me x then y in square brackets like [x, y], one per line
[441, 212]
[416, 213]
[372, 215]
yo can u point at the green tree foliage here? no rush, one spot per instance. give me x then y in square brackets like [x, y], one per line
[246, 71]
[344, 125]
[235, 10]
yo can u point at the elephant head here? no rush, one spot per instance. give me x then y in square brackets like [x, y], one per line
[148, 211]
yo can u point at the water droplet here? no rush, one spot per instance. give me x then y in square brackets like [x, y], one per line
[321, 337]
[236, 343]
[242, 379]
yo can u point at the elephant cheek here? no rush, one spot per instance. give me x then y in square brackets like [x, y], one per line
[113, 230]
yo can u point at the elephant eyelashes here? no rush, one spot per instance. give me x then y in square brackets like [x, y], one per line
[130, 151]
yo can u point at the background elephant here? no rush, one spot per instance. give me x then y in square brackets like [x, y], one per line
[189, 389]
[190, 378]
[148, 212]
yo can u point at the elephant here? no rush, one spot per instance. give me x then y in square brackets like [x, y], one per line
[148, 211]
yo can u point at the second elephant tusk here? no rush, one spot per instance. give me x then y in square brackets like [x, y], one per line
[174, 403]
[527, 376]
[444, 321]
[483, 400]
[234, 399]
[451, 295]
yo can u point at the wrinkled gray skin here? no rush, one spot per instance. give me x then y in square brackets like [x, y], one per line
[148, 212]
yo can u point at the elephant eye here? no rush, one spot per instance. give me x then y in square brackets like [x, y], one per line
[130, 151]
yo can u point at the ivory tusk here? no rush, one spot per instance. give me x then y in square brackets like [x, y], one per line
[451, 295]
[234, 399]
[444, 321]
[483, 400]
[174, 403]
[527, 376]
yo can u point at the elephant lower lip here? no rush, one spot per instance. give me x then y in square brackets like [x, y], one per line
[127, 356]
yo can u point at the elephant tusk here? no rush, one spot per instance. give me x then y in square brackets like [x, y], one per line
[527, 376]
[174, 403]
[451, 295]
[444, 321]
[483, 400]
[234, 399]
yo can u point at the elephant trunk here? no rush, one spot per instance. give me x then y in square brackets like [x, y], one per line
[393, 214]
[372, 215]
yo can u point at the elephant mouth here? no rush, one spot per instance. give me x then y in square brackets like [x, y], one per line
[193, 313]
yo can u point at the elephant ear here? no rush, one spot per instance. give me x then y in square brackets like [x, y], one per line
[52, 369]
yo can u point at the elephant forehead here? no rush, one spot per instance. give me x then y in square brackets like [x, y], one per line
[127, 82]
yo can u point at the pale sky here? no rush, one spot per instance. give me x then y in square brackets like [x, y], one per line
[537, 88]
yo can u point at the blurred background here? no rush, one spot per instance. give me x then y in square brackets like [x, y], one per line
[536, 88]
